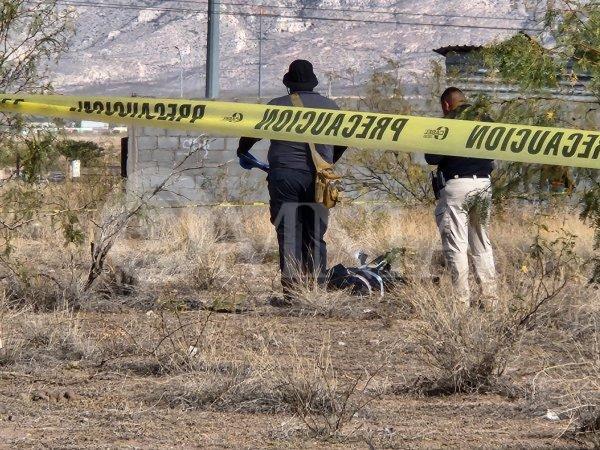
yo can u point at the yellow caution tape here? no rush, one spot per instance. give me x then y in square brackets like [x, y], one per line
[528, 144]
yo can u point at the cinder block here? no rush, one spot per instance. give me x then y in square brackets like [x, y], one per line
[217, 144]
[220, 157]
[231, 143]
[187, 142]
[235, 171]
[192, 172]
[202, 183]
[147, 142]
[164, 157]
[182, 154]
[178, 133]
[168, 143]
[156, 180]
[183, 181]
[215, 175]
[148, 131]
[198, 162]
[148, 168]
[147, 164]
[145, 155]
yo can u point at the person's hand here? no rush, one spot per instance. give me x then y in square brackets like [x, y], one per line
[246, 161]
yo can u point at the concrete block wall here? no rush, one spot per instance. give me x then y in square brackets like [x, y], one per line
[211, 174]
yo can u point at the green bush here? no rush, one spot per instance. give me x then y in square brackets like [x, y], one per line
[86, 151]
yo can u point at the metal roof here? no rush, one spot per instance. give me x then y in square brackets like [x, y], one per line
[471, 47]
[457, 49]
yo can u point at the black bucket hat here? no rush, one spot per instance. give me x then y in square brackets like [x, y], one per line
[300, 76]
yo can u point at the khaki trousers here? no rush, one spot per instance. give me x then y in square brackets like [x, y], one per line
[462, 216]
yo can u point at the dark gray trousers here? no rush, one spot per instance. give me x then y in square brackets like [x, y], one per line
[300, 224]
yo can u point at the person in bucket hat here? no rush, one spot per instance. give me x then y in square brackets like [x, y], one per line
[300, 223]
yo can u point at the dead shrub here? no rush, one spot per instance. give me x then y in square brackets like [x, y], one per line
[206, 271]
[572, 390]
[205, 257]
[468, 347]
[256, 239]
[313, 298]
[317, 395]
[224, 386]
[311, 390]
[226, 222]
[589, 424]
[166, 342]
[41, 291]
[119, 279]
[46, 337]
[10, 346]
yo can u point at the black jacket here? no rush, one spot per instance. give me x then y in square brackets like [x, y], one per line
[296, 155]
[452, 166]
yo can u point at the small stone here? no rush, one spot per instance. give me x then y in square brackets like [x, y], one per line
[69, 395]
[55, 397]
[39, 395]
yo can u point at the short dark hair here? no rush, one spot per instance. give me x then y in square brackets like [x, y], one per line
[448, 93]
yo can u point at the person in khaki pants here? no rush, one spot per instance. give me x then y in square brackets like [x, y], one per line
[463, 209]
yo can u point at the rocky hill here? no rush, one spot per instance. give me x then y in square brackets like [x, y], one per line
[133, 48]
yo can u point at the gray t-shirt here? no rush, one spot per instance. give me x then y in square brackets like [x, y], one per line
[296, 155]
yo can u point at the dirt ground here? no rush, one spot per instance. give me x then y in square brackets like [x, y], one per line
[111, 406]
[178, 362]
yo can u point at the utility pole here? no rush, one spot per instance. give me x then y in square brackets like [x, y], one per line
[180, 72]
[212, 50]
[260, 39]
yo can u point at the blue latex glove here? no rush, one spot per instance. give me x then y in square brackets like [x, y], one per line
[249, 162]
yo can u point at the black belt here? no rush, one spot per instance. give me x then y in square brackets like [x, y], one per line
[473, 176]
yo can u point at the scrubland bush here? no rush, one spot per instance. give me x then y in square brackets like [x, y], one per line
[571, 390]
[256, 238]
[309, 389]
[469, 348]
[199, 240]
[47, 338]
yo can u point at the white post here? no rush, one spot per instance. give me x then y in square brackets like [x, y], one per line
[75, 168]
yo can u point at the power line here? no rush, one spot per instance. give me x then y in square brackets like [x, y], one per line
[309, 8]
[393, 22]
[280, 16]
[341, 10]
[357, 10]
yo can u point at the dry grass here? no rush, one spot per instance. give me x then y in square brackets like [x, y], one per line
[159, 326]
[309, 389]
[43, 339]
[255, 237]
[570, 390]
